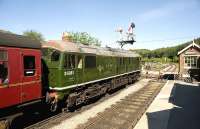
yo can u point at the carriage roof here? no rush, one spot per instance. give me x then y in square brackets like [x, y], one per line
[88, 49]
[14, 40]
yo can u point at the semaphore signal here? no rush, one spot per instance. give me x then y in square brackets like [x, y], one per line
[127, 37]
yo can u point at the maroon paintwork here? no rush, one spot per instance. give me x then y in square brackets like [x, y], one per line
[20, 89]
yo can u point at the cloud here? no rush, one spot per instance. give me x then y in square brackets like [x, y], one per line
[168, 9]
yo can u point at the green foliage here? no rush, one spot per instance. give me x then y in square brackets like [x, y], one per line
[84, 38]
[161, 60]
[164, 54]
[5, 31]
[33, 35]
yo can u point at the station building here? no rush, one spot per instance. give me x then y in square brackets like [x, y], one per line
[189, 62]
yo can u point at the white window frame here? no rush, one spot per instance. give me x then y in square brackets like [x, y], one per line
[5, 60]
[190, 62]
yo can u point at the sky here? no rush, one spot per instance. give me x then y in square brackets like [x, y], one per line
[159, 23]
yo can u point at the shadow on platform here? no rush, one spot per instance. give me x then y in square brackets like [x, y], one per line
[185, 114]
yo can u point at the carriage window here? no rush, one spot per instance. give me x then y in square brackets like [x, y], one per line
[90, 61]
[3, 55]
[3, 67]
[55, 56]
[29, 65]
[69, 61]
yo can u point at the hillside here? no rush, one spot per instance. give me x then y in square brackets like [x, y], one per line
[169, 52]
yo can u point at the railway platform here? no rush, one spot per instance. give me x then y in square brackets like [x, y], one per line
[152, 119]
[175, 107]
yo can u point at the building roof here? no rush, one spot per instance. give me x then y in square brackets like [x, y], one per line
[13, 40]
[186, 48]
[66, 46]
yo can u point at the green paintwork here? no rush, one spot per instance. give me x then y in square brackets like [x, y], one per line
[106, 66]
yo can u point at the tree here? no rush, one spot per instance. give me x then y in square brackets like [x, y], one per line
[6, 31]
[168, 52]
[84, 38]
[33, 35]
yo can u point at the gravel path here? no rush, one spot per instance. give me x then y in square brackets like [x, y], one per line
[83, 117]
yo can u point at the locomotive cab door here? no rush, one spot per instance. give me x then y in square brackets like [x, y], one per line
[31, 75]
[69, 69]
[79, 69]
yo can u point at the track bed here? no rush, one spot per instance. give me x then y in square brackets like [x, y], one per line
[126, 113]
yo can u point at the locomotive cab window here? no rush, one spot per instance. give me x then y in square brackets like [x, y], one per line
[80, 62]
[29, 65]
[90, 61]
[3, 67]
[55, 56]
[69, 62]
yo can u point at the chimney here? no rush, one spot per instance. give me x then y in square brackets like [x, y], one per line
[66, 37]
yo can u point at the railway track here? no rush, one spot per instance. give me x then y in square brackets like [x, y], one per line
[170, 73]
[41, 124]
[57, 118]
[126, 113]
[171, 68]
[144, 96]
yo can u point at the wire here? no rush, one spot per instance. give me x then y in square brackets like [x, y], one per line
[163, 40]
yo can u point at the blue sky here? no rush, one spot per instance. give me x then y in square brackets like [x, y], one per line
[159, 23]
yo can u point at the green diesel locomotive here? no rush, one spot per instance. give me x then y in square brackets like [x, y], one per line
[74, 73]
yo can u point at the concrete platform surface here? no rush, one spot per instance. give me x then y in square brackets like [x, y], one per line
[157, 115]
[177, 106]
[186, 111]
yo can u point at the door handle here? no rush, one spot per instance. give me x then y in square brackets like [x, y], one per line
[38, 77]
[23, 95]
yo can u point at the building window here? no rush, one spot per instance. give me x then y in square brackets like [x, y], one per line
[190, 62]
[3, 67]
[90, 61]
[29, 65]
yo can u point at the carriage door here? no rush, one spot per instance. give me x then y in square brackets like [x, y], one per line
[31, 82]
[69, 69]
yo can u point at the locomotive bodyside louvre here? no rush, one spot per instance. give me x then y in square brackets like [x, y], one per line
[90, 67]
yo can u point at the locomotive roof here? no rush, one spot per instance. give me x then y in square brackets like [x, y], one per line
[66, 46]
[13, 40]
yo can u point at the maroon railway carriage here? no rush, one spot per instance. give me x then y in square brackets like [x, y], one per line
[20, 70]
